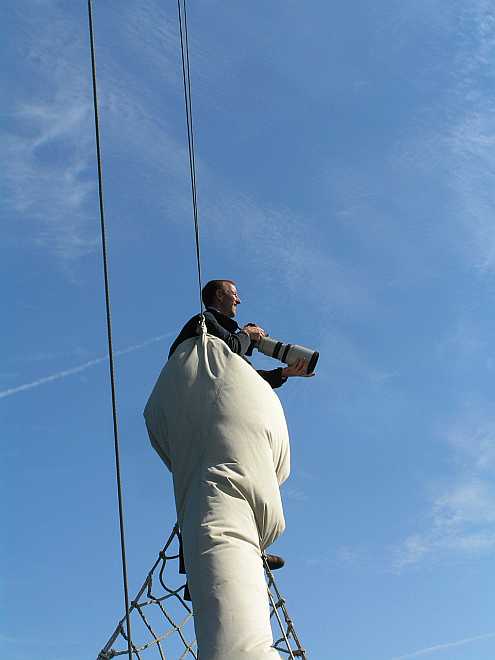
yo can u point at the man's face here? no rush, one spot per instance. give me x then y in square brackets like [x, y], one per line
[228, 299]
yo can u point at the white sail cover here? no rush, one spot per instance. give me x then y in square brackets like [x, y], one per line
[221, 430]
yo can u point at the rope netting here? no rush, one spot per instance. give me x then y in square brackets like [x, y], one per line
[288, 643]
[162, 620]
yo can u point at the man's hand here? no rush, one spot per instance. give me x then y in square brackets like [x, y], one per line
[299, 368]
[254, 331]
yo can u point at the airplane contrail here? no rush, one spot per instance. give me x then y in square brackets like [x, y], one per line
[82, 367]
[442, 647]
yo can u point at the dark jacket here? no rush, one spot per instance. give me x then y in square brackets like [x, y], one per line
[225, 328]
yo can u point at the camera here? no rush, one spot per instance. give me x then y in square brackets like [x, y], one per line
[288, 353]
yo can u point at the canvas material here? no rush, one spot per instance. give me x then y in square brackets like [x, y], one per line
[221, 430]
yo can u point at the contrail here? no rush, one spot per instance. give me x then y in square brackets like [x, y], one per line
[442, 647]
[82, 367]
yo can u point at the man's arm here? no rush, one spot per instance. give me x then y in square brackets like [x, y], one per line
[274, 377]
[277, 377]
[238, 342]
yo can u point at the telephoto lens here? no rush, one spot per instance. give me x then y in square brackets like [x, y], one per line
[288, 353]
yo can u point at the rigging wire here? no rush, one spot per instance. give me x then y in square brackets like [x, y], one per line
[186, 76]
[109, 335]
[131, 648]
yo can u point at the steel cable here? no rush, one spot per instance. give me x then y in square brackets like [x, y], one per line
[109, 334]
[186, 76]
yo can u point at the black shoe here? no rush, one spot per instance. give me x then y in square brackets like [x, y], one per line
[274, 562]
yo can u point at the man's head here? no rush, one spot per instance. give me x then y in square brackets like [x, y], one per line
[222, 295]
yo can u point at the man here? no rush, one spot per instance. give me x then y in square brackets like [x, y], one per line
[221, 299]
[221, 431]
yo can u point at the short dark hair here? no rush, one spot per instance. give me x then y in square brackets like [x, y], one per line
[210, 289]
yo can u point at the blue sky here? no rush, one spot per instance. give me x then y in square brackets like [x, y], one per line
[345, 169]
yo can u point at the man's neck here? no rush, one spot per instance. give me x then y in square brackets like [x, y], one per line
[215, 309]
[227, 321]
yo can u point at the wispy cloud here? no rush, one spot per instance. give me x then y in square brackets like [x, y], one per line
[59, 375]
[442, 647]
[51, 182]
[48, 142]
[449, 145]
[273, 239]
[469, 140]
[296, 494]
[461, 516]
[151, 33]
